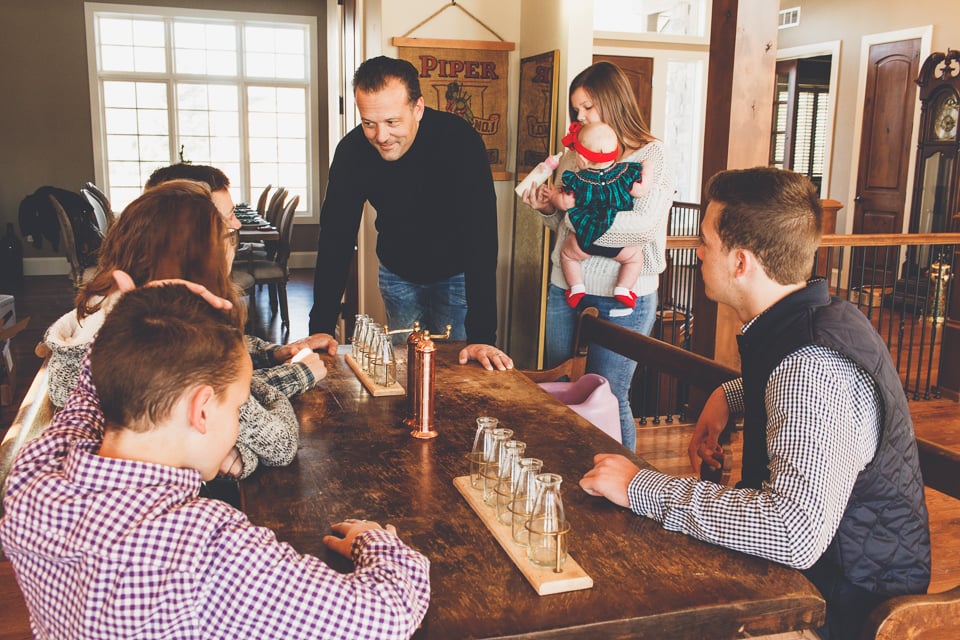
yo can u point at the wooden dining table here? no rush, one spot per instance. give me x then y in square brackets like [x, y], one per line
[358, 460]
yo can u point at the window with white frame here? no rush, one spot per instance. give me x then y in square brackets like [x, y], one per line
[232, 90]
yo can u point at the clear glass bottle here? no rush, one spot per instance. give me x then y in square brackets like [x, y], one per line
[357, 339]
[513, 452]
[524, 495]
[370, 339]
[547, 528]
[385, 370]
[485, 427]
[492, 456]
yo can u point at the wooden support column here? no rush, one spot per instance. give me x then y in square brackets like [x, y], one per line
[740, 86]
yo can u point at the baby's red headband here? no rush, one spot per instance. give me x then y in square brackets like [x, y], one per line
[572, 141]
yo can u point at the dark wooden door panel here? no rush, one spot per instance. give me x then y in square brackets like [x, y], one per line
[888, 113]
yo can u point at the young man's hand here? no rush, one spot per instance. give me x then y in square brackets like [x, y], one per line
[610, 477]
[347, 531]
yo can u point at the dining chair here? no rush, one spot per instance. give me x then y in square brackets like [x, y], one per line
[275, 273]
[275, 208]
[104, 219]
[262, 201]
[98, 193]
[930, 615]
[78, 273]
[267, 249]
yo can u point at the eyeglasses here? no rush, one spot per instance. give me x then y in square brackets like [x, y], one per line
[232, 237]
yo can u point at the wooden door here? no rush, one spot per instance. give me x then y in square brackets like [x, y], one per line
[639, 72]
[888, 113]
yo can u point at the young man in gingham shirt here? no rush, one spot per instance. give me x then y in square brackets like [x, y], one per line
[105, 529]
[831, 480]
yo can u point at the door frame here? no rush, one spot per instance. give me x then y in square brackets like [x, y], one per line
[832, 49]
[925, 34]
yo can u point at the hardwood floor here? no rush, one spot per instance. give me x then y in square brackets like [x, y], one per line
[45, 298]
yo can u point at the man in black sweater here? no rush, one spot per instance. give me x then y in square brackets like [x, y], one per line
[426, 174]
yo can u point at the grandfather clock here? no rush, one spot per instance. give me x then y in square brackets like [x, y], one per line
[935, 188]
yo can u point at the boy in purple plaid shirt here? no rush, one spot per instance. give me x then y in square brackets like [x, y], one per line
[108, 536]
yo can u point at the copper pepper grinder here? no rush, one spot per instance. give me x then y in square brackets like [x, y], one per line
[413, 403]
[424, 369]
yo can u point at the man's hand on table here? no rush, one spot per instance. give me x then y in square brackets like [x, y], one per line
[488, 356]
[350, 529]
[610, 477]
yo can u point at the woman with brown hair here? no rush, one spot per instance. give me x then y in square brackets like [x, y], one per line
[174, 231]
[602, 93]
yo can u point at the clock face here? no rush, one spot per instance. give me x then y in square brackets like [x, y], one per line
[945, 119]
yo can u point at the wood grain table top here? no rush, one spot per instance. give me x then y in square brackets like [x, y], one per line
[357, 460]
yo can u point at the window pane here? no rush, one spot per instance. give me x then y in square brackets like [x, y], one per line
[149, 59]
[291, 126]
[152, 121]
[261, 99]
[291, 100]
[122, 147]
[115, 31]
[223, 98]
[292, 150]
[224, 150]
[222, 63]
[196, 149]
[225, 124]
[261, 173]
[193, 123]
[290, 66]
[192, 96]
[149, 33]
[114, 58]
[263, 150]
[261, 65]
[120, 94]
[156, 148]
[262, 125]
[190, 61]
[151, 95]
[120, 120]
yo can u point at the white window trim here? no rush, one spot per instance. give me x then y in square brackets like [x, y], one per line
[314, 129]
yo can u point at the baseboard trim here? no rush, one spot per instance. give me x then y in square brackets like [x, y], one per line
[303, 260]
[55, 266]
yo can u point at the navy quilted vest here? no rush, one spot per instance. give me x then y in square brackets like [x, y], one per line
[883, 542]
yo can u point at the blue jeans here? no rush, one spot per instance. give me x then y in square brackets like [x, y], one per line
[435, 305]
[561, 325]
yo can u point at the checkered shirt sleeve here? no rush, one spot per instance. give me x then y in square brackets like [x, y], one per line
[289, 379]
[822, 429]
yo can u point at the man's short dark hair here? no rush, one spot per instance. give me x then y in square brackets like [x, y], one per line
[372, 76]
[773, 213]
[156, 343]
[211, 176]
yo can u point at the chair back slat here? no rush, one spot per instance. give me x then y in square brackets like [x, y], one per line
[286, 232]
[275, 208]
[262, 201]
